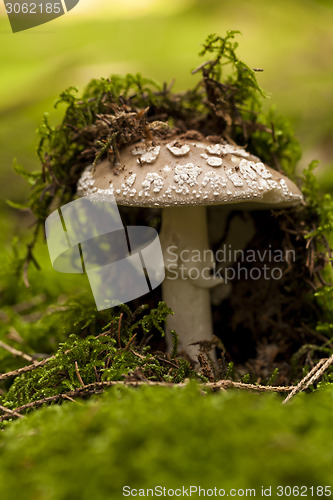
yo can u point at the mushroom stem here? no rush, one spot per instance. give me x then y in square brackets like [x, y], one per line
[186, 287]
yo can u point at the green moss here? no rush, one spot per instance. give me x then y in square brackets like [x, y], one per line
[109, 356]
[170, 437]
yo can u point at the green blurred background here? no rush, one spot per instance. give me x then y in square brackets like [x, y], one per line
[292, 40]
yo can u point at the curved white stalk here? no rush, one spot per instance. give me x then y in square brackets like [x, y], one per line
[186, 287]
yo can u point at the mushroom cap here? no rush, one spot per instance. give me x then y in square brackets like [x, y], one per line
[189, 172]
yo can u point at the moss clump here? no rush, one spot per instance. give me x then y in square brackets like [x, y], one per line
[170, 437]
[119, 352]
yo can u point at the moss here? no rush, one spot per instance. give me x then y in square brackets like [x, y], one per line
[115, 353]
[169, 437]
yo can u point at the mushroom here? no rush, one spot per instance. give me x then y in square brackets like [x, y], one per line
[183, 176]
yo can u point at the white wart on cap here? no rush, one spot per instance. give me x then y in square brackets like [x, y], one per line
[187, 172]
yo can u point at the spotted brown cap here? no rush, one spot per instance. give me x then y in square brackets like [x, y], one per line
[189, 172]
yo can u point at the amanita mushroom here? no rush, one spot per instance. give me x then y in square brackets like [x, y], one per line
[182, 177]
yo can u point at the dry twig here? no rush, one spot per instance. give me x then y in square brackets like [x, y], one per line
[78, 374]
[25, 369]
[119, 329]
[310, 378]
[98, 387]
[16, 352]
[10, 413]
